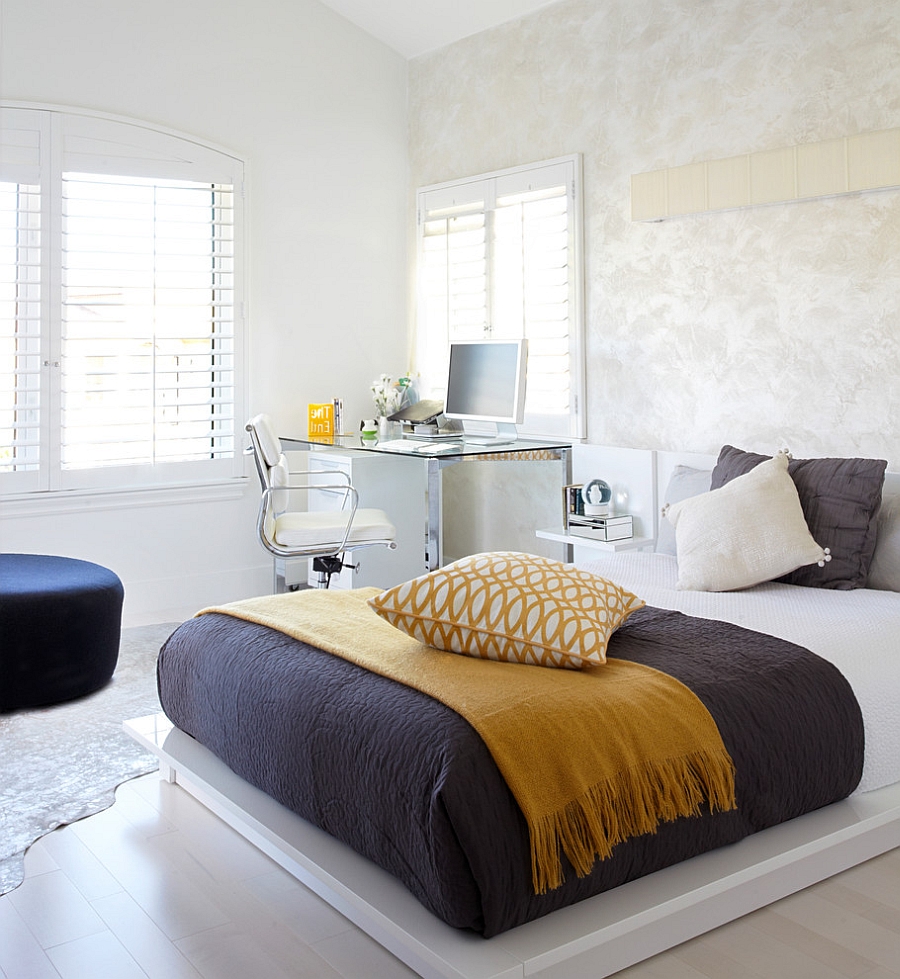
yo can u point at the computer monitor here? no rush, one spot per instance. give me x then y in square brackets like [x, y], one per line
[486, 386]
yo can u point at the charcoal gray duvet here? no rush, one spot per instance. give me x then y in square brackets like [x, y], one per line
[408, 783]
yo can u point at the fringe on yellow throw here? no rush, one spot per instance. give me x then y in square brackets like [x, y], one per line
[592, 757]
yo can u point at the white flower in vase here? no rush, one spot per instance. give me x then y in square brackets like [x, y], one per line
[388, 394]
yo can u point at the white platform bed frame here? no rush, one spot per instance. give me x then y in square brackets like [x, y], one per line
[596, 937]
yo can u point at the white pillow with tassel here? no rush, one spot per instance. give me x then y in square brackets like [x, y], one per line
[750, 530]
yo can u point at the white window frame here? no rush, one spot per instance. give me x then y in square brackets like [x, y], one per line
[476, 195]
[69, 140]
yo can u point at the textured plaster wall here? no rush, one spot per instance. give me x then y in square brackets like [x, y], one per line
[761, 327]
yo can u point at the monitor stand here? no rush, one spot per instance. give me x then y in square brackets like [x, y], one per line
[506, 433]
[430, 433]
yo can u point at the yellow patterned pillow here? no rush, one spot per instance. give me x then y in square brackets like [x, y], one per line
[505, 605]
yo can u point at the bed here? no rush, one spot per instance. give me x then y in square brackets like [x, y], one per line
[458, 844]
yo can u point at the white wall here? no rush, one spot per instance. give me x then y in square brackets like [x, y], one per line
[318, 108]
[761, 327]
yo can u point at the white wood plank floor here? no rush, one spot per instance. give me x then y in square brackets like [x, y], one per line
[158, 888]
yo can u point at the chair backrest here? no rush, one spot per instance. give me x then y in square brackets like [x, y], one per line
[271, 465]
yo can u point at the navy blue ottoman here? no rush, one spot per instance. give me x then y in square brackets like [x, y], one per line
[60, 621]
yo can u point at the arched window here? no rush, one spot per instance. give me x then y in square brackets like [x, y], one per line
[121, 309]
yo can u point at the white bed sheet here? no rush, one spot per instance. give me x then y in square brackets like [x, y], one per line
[858, 631]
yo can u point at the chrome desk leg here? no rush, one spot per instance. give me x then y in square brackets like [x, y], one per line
[565, 456]
[434, 548]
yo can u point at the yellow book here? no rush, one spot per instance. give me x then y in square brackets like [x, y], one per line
[320, 422]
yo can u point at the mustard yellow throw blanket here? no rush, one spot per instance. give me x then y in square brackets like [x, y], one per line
[593, 757]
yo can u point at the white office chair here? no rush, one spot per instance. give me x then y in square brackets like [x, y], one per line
[322, 535]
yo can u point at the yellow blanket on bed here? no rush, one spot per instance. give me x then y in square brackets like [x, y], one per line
[593, 756]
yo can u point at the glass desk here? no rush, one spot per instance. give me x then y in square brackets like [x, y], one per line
[437, 456]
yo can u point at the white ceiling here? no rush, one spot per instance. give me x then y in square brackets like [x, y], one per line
[413, 27]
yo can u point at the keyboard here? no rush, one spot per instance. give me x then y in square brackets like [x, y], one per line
[437, 449]
[419, 448]
[399, 445]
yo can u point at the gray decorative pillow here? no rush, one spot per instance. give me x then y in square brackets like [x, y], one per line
[684, 483]
[840, 500]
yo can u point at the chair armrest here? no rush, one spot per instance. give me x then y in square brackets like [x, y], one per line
[347, 491]
[318, 472]
[266, 511]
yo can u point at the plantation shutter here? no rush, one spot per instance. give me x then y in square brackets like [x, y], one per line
[148, 303]
[453, 275]
[532, 282]
[499, 257]
[22, 135]
[147, 321]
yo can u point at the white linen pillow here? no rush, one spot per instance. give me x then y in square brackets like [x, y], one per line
[750, 530]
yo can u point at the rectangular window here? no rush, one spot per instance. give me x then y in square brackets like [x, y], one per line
[120, 333]
[500, 257]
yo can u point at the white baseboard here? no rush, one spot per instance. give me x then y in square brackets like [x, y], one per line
[179, 596]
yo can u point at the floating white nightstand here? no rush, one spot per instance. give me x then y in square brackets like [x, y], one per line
[628, 544]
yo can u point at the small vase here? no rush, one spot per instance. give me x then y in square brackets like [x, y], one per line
[387, 429]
